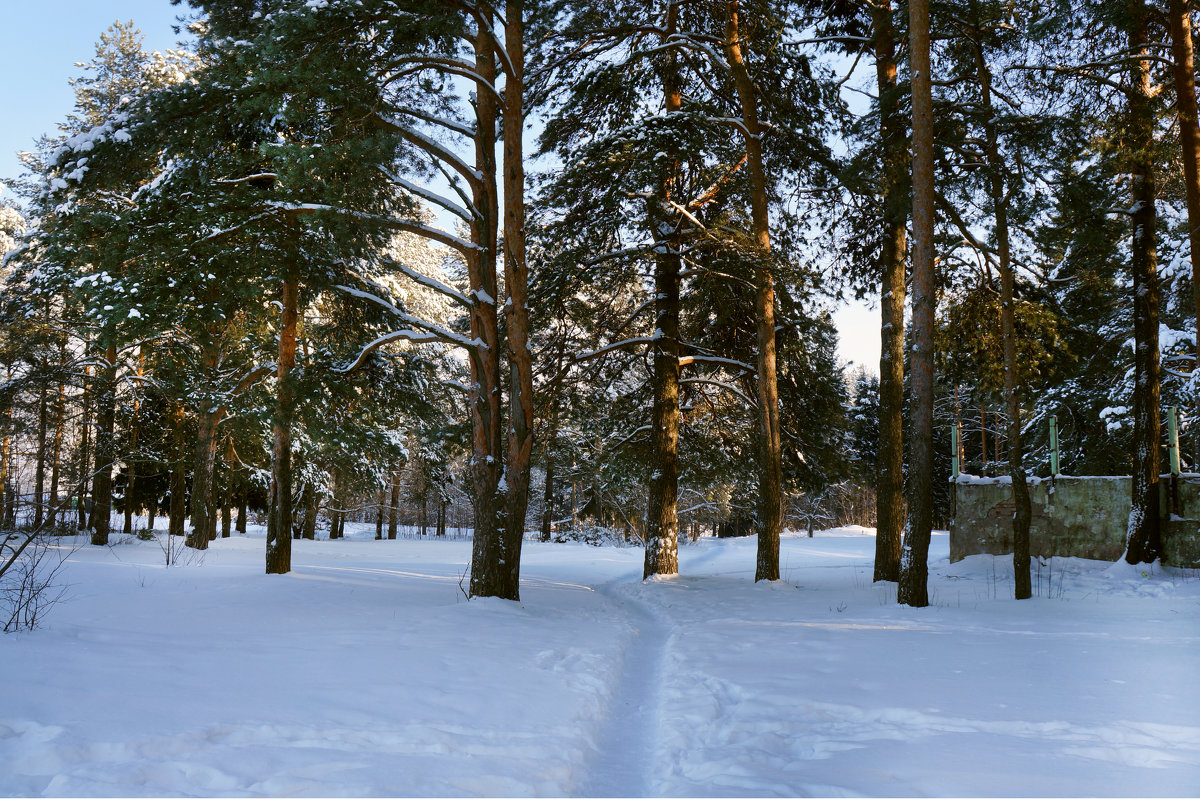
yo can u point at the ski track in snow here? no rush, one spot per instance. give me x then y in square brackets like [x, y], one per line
[624, 763]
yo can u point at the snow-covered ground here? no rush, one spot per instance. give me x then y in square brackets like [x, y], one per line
[366, 672]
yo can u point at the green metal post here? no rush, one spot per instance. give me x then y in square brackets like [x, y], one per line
[1173, 438]
[954, 452]
[1053, 446]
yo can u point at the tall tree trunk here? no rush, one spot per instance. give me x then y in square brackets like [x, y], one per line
[1189, 130]
[1144, 539]
[85, 456]
[516, 280]
[889, 498]
[380, 505]
[279, 521]
[490, 575]
[60, 414]
[226, 519]
[1016, 467]
[770, 477]
[105, 448]
[914, 559]
[311, 502]
[394, 505]
[178, 508]
[131, 462]
[337, 510]
[548, 492]
[5, 457]
[662, 520]
[39, 471]
[242, 508]
[203, 490]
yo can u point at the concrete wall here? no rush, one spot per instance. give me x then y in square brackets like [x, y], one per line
[1072, 516]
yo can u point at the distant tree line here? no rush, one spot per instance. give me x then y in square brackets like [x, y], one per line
[569, 262]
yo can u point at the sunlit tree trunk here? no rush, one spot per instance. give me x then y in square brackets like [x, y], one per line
[1183, 63]
[914, 566]
[770, 477]
[893, 133]
[491, 576]
[1144, 539]
[516, 280]
[662, 520]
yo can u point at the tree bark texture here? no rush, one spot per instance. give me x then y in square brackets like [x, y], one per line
[85, 462]
[394, 505]
[39, 470]
[889, 498]
[279, 521]
[1184, 66]
[380, 505]
[5, 458]
[105, 447]
[60, 413]
[914, 566]
[1144, 538]
[491, 575]
[662, 519]
[770, 476]
[1012, 390]
[548, 489]
[205, 456]
[178, 510]
[516, 281]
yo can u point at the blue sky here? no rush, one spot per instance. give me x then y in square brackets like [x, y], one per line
[40, 42]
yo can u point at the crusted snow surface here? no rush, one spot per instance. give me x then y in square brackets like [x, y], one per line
[366, 672]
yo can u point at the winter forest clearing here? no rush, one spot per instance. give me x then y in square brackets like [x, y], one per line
[499, 336]
[366, 672]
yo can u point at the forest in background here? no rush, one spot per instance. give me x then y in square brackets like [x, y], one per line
[562, 266]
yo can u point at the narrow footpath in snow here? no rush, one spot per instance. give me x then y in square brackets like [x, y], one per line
[626, 745]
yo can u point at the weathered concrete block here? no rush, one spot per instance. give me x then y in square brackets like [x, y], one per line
[1084, 517]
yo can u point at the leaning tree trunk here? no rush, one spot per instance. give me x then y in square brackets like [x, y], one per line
[279, 520]
[1143, 536]
[662, 520]
[1016, 467]
[914, 559]
[490, 575]
[770, 476]
[516, 280]
[105, 448]
[889, 499]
